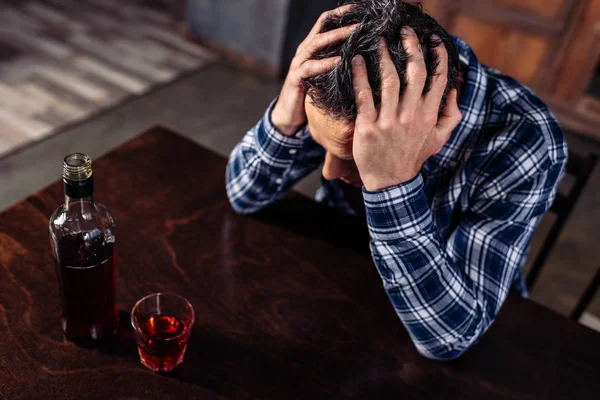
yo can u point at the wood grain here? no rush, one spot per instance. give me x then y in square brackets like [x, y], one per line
[544, 8]
[581, 55]
[551, 45]
[288, 303]
[509, 16]
[513, 52]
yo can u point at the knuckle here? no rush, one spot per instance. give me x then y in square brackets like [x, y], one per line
[419, 74]
[406, 119]
[416, 68]
[296, 62]
[417, 58]
[319, 41]
[305, 69]
[390, 81]
[414, 50]
[310, 67]
[363, 95]
[333, 36]
[295, 76]
[412, 44]
[327, 37]
[441, 79]
[310, 46]
[387, 124]
[364, 129]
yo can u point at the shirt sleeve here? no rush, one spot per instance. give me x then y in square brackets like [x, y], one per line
[266, 164]
[448, 292]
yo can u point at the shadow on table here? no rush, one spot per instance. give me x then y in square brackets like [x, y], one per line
[262, 366]
[280, 366]
[124, 345]
[305, 217]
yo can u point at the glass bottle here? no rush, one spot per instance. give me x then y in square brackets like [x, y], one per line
[82, 234]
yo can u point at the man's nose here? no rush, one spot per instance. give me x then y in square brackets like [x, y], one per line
[336, 168]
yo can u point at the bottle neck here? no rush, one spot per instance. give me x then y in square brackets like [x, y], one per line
[79, 193]
[82, 203]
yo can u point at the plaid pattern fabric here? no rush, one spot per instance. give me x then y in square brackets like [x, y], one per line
[451, 243]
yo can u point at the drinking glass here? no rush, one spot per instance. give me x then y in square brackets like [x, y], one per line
[162, 323]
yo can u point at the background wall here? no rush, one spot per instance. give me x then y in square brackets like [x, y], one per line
[301, 18]
[552, 46]
[255, 28]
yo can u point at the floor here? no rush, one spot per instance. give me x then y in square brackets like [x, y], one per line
[217, 105]
[63, 60]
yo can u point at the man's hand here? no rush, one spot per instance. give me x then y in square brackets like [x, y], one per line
[392, 143]
[288, 114]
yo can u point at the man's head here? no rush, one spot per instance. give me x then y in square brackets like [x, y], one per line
[330, 105]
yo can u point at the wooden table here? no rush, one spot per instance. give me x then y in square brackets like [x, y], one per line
[285, 308]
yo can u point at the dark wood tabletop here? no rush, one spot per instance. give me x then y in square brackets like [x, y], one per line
[288, 302]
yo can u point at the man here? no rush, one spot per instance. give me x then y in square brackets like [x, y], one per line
[457, 162]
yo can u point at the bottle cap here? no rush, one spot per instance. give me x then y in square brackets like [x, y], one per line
[77, 176]
[77, 167]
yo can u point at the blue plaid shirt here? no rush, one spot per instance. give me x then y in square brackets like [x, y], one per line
[450, 243]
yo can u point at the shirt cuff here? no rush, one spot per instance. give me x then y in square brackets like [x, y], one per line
[399, 211]
[277, 149]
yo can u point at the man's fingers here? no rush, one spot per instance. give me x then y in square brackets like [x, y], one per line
[450, 117]
[323, 40]
[416, 72]
[316, 29]
[312, 68]
[319, 24]
[390, 82]
[362, 90]
[433, 98]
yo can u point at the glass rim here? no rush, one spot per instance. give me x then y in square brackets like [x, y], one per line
[186, 327]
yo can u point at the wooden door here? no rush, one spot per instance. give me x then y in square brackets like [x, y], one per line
[517, 37]
[553, 46]
[574, 93]
[513, 51]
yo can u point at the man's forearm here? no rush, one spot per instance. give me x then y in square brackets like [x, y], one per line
[428, 282]
[266, 164]
[440, 306]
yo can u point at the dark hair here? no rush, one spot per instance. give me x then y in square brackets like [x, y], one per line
[333, 92]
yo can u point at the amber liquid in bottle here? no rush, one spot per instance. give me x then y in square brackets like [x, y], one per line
[86, 276]
[82, 237]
